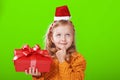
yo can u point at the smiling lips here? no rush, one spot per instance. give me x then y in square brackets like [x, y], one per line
[63, 43]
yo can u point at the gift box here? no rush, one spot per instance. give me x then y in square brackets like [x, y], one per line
[31, 57]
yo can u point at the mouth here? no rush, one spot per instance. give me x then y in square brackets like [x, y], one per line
[63, 43]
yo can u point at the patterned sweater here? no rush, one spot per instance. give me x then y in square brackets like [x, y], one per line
[72, 70]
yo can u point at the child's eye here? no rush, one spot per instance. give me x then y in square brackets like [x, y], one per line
[67, 34]
[58, 35]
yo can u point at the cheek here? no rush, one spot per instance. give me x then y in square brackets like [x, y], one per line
[70, 39]
[55, 40]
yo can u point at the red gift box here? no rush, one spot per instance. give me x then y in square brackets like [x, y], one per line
[32, 57]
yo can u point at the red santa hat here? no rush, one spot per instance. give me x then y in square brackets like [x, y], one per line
[62, 13]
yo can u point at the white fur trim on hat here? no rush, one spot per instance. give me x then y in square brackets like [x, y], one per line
[62, 18]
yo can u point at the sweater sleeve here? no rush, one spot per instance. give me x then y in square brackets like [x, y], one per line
[73, 71]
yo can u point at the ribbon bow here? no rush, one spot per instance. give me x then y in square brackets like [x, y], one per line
[26, 50]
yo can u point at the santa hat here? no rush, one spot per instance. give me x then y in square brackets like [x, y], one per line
[62, 13]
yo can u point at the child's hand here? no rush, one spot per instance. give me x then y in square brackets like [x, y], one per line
[32, 71]
[61, 54]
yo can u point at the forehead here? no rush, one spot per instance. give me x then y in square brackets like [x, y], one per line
[63, 29]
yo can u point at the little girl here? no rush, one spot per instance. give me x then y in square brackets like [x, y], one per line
[67, 64]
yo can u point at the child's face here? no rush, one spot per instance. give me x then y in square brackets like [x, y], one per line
[63, 36]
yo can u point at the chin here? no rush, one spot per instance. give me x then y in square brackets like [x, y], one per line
[60, 47]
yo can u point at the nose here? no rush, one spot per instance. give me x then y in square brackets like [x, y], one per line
[63, 38]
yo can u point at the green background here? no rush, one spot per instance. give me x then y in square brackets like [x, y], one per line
[96, 22]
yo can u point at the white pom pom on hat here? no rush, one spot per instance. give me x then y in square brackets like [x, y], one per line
[62, 13]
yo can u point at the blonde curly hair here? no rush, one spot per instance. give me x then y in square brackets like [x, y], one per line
[50, 46]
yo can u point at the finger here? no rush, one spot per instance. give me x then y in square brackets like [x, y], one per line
[26, 72]
[33, 70]
[64, 49]
[30, 70]
[57, 54]
[36, 71]
[58, 51]
[40, 73]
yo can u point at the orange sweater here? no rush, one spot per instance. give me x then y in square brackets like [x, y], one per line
[73, 70]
